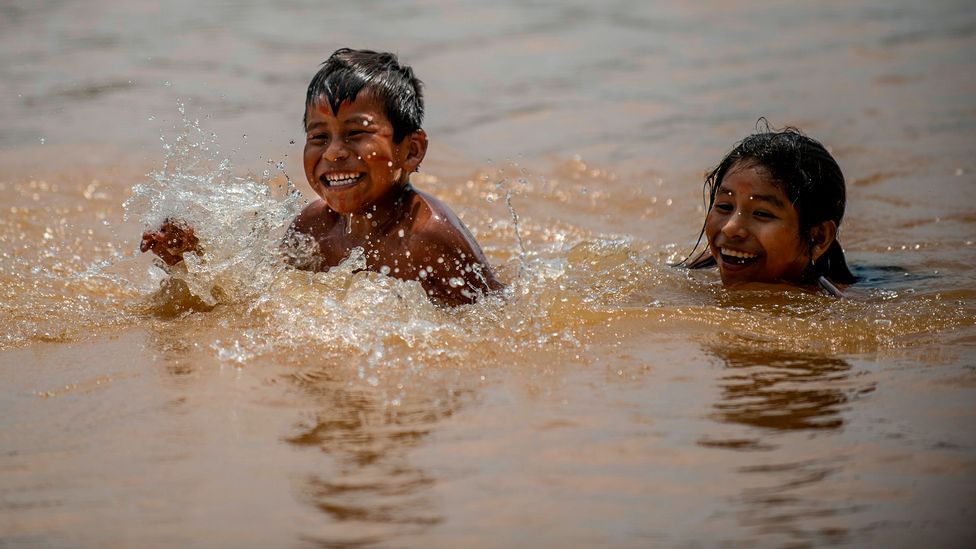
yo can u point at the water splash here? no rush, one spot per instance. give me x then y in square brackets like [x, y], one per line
[239, 221]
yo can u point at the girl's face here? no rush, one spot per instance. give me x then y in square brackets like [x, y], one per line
[753, 230]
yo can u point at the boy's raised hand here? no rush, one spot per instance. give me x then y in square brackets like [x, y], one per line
[170, 241]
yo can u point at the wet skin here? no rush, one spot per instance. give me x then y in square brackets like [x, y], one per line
[362, 176]
[753, 231]
[352, 161]
[170, 241]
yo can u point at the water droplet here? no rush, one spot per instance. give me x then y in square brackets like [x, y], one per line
[292, 142]
[167, 83]
[389, 164]
[400, 233]
[42, 141]
[385, 270]
[151, 118]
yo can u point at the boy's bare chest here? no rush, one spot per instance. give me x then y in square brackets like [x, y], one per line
[386, 253]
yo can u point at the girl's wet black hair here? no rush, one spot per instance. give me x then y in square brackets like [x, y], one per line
[809, 177]
[347, 72]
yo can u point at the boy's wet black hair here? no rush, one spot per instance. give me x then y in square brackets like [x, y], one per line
[348, 72]
[809, 177]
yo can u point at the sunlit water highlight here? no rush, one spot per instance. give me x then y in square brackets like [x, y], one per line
[562, 285]
[607, 400]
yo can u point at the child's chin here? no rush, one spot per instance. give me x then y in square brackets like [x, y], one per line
[732, 280]
[345, 206]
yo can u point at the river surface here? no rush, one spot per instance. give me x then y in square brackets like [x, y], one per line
[610, 400]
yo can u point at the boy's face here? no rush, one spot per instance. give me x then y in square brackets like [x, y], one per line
[351, 160]
[753, 230]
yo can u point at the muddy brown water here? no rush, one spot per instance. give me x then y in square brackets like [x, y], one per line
[611, 401]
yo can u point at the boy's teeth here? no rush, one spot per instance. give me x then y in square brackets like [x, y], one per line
[341, 178]
[736, 253]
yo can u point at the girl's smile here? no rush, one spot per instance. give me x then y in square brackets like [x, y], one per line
[753, 231]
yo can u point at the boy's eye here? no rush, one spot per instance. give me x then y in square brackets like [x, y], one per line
[764, 214]
[724, 208]
[318, 137]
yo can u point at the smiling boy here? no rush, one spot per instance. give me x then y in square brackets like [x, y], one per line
[363, 138]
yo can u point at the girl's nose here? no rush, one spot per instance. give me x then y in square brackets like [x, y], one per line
[735, 226]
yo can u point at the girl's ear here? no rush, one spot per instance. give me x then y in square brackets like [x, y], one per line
[821, 237]
[416, 148]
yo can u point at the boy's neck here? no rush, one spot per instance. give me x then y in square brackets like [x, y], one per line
[380, 216]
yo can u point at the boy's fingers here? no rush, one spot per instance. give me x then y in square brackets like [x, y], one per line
[147, 243]
[167, 239]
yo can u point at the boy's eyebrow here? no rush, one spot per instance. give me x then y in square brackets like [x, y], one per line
[360, 118]
[771, 198]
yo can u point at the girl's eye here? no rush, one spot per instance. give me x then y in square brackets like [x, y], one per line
[724, 208]
[319, 137]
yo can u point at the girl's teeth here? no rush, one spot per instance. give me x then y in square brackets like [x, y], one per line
[735, 253]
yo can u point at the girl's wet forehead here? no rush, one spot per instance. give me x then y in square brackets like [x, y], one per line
[752, 181]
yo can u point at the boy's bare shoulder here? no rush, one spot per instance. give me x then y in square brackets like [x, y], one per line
[440, 241]
[434, 223]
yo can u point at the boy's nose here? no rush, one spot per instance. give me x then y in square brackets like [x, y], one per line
[335, 151]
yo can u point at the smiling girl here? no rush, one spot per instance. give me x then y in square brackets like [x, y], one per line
[775, 203]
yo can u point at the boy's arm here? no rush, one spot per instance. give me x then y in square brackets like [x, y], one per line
[457, 270]
[457, 274]
[170, 241]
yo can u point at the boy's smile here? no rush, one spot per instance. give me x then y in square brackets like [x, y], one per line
[753, 231]
[351, 159]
